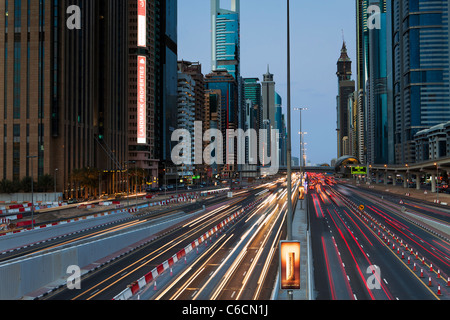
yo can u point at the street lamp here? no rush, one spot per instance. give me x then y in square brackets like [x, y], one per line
[56, 170]
[288, 145]
[128, 183]
[437, 186]
[32, 191]
[301, 136]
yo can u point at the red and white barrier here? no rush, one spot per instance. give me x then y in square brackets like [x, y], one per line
[133, 288]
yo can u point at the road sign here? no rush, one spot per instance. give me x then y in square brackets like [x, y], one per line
[290, 265]
[359, 170]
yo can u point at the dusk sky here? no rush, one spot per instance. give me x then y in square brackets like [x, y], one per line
[317, 29]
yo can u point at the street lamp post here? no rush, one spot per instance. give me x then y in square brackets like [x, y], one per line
[301, 137]
[136, 185]
[32, 191]
[128, 183]
[288, 146]
[437, 186]
[56, 170]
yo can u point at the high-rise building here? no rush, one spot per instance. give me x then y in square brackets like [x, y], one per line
[63, 91]
[141, 95]
[227, 84]
[166, 77]
[212, 116]
[346, 87]
[225, 42]
[268, 99]
[186, 119]
[373, 82]
[420, 58]
[194, 69]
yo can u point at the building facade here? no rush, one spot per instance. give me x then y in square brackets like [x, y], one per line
[346, 87]
[225, 49]
[63, 91]
[420, 58]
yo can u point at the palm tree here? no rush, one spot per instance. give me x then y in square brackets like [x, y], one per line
[6, 186]
[137, 174]
[75, 178]
[25, 184]
[45, 183]
[89, 180]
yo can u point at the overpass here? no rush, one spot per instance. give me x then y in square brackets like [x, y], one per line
[419, 171]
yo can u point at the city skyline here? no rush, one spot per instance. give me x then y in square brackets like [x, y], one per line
[313, 82]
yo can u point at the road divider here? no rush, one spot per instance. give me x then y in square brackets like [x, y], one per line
[150, 277]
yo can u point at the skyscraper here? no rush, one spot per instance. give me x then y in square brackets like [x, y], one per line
[420, 57]
[373, 81]
[225, 42]
[228, 115]
[141, 98]
[166, 77]
[346, 87]
[63, 91]
[268, 95]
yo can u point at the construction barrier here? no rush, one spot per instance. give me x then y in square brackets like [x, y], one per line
[136, 286]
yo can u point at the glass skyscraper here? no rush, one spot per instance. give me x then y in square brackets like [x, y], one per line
[226, 38]
[420, 55]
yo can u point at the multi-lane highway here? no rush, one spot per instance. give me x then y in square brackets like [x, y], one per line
[235, 263]
[366, 248]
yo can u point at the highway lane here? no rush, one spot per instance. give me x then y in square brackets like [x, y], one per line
[346, 246]
[143, 217]
[242, 264]
[112, 279]
[434, 248]
[418, 245]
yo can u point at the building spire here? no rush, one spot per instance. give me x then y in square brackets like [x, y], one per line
[344, 56]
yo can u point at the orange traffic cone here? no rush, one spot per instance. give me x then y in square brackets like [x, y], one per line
[429, 282]
[439, 290]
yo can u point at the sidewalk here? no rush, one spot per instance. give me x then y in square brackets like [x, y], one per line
[300, 233]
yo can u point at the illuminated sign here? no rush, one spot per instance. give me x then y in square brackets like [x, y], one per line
[290, 265]
[359, 170]
[142, 23]
[142, 101]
